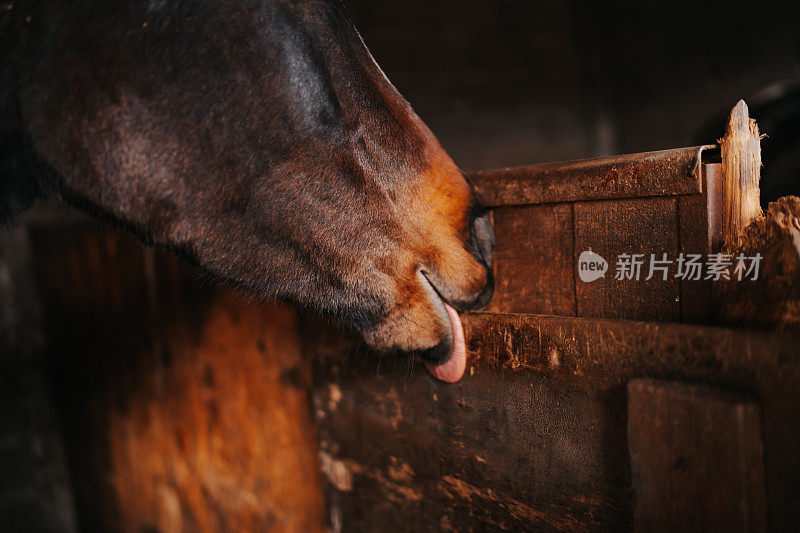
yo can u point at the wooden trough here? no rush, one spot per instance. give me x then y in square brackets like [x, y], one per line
[609, 404]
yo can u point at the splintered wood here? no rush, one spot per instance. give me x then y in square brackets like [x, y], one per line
[547, 216]
[741, 163]
[672, 205]
[772, 300]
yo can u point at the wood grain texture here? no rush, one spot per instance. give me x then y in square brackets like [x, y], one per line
[660, 173]
[636, 226]
[599, 355]
[184, 408]
[499, 451]
[666, 202]
[695, 295]
[534, 260]
[700, 232]
[535, 435]
[697, 458]
[741, 164]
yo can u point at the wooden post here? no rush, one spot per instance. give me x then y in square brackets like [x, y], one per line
[184, 408]
[741, 165]
[696, 458]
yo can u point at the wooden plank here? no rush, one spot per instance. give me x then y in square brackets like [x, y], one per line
[699, 230]
[600, 355]
[595, 354]
[532, 269]
[534, 260]
[642, 226]
[696, 458]
[492, 453]
[695, 295]
[660, 173]
[535, 435]
[184, 408]
[656, 202]
[535, 273]
[713, 187]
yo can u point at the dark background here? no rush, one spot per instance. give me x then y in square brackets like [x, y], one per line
[513, 82]
[501, 83]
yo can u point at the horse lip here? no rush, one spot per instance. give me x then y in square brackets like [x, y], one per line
[442, 299]
[451, 369]
[425, 275]
[433, 286]
[480, 301]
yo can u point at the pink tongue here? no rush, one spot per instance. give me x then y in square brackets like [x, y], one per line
[451, 370]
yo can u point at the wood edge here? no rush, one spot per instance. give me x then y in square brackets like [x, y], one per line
[557, 182]
[741, 164]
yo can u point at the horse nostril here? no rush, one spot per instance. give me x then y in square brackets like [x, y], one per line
[483, 235]
[486, 294]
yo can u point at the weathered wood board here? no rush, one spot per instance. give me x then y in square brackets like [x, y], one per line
[656, 203]
[536, 434]
[697, 458]
[633, 226]
[659, 173]
[534, 259]
[644, 217]
[184, 408]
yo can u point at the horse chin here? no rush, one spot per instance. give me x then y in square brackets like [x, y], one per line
[428, 329]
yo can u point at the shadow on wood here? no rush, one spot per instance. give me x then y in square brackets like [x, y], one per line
[184, 408]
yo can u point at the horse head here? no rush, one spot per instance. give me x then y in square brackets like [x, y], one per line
[261, 141]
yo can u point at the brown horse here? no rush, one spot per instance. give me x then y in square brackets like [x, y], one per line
[257, 139]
